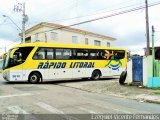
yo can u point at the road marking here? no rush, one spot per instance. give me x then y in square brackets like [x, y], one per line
[49, 108]
[55, 111]
[17, 110]
[89, 111]
[16, 95]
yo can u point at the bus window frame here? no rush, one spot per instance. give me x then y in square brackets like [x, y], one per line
[75, 58]
[102, 54]
[119, 58]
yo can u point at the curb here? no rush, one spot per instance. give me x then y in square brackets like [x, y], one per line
[146, 100]
[153, 101]
[140, 99]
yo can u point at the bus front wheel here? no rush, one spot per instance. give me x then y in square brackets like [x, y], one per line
[34, 78]
[96, 75]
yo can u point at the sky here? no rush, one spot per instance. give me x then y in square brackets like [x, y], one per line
[129, 29]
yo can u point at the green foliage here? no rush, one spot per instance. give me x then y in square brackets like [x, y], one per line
[157, 93]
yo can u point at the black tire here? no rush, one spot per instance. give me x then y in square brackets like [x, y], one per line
[34, 78]
[96, 75]
[122, 77]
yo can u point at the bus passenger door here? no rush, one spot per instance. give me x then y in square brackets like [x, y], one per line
[16, 61]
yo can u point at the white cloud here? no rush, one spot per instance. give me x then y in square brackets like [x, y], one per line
[129, 29]
[6, 45]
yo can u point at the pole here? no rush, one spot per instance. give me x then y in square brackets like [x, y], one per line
[23, 24]
[153, 54]
[147, 30]
[21, 8]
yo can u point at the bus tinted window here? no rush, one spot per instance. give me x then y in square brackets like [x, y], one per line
[40, 54]
[63, 54]
[50, 53]
[119, 54]
[67, 54]
[19, 56]
[80, 54]
[96, 54]
[25, 52]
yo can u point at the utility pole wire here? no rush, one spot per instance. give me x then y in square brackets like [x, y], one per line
[108, 16]
[82, 16]
[99, 18]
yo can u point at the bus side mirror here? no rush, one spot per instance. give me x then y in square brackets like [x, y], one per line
[12, 52]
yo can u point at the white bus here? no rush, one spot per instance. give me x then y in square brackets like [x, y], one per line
[35, 62]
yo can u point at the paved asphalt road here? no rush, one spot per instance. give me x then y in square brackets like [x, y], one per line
[53, 98]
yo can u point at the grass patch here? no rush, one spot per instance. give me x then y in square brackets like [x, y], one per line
[157, 93]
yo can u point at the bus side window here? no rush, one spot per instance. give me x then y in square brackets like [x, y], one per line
[119, 54]
[97, 54]
[108, 55]
[40, 54]
[81, 54]
[50, 54]
[67, 54]
[74, 54]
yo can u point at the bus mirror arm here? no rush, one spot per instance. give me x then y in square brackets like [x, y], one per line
[12, 52]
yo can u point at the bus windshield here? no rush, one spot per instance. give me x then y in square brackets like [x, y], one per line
[6, 60]
[16, 56]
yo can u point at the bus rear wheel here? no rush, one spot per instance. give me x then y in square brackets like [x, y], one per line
[34, 78]
[96, 75]
[122, 77]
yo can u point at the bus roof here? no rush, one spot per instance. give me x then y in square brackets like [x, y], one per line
[60, 45]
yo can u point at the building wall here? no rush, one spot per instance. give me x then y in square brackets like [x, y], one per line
[145, 70]
[41, 36]
[64, 36]
[129, 77]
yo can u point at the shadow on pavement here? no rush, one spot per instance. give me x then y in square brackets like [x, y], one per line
[77, 80]
[61, 81]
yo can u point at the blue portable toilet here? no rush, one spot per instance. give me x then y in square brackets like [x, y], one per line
[137, 70]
